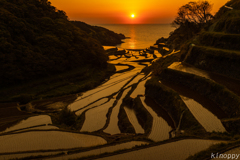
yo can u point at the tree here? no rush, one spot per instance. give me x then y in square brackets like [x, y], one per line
[194, 12]
[67, 117]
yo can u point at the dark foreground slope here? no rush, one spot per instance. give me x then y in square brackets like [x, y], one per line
[217, 48]
[37, 40]
[207, 71]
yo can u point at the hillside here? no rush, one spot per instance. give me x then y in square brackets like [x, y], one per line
[103, 35]
[209, 63]
[167, 105]
[37, 41]
[205, 73]
[217, 48]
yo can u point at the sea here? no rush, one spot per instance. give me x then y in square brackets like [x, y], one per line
[141, 36]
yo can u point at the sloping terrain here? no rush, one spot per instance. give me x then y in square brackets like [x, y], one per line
[178, 110]
[103, 35]
[207, 78]
[37, 40]
[43, 54]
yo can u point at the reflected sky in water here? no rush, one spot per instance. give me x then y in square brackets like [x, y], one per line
[132, 41]
[141, 35]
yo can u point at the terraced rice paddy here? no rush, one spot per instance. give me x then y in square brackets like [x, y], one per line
[46, 140]
[119, 68]
[208, 120]
[180, 67]
[108, 88]
[96, 117]
[24, 155]
[140, 90]
[101, 107]
[108, 47]
[47, 127]
[204, 110]
[30, 122]
[109, 149]
[133, 120]
[113, 124]
[160, 128]
[179, 150]
[231, 84]
[157, 54]
[135, 80]
[135, 57]
[95, 104]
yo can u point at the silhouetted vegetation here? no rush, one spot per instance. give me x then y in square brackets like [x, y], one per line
[194, 12]
[103, 35]
[67, 117]
[190, 20]
[37, 40]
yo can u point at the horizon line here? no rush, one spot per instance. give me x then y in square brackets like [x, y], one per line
[133, 24]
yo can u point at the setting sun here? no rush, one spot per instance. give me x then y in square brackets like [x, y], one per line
[124, 11]
[97, 78]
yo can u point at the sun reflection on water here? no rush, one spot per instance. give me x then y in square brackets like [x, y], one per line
[132, 41]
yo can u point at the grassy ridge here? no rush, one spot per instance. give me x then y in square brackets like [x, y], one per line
[173, 104]
[228, 22]
[220, 40]
[226, 62]
[228, 101]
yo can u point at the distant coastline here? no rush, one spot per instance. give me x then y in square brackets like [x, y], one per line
[141, 35]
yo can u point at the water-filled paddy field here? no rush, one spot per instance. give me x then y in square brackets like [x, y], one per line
[106, 110]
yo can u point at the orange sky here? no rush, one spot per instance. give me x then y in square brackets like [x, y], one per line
[119, 12]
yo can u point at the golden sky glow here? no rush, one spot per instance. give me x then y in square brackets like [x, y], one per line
[117, 12]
